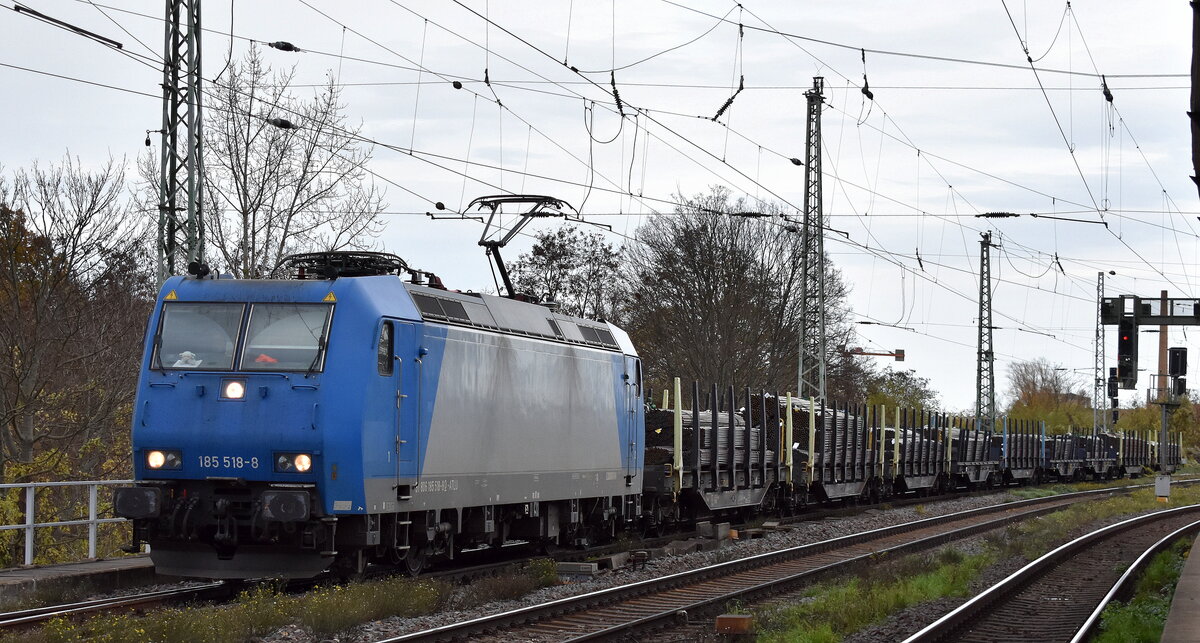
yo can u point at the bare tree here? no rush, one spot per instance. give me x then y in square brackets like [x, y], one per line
[74, 298]
[1040, 389]
[715, 297]
[1038, 380]
[270, 191]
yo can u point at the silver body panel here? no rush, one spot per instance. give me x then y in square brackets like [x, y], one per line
[516, 420]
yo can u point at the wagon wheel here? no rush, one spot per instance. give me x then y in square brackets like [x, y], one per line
[651, 522]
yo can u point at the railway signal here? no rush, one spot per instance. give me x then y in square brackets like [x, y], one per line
[1127, 353]
[1113, 402]
[1177, 361]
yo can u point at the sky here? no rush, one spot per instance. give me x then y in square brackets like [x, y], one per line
[960, 125]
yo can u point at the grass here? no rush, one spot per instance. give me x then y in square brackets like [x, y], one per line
[264, 609]
[1044, 491]
[1141, 619]
[830, 611]
[505, 587]
[1032, 538]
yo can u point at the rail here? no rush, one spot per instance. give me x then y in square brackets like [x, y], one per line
[948, 626]
[30, 525]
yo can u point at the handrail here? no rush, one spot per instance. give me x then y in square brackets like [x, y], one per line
[30, 524]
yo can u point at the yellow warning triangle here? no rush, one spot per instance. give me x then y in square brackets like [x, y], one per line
[330, 297]
[171, 296]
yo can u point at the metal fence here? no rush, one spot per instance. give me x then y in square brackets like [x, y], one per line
[30, 525]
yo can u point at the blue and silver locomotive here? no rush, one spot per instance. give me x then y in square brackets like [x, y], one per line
[347, 415]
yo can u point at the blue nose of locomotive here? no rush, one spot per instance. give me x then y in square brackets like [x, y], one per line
[250, 426]
[232, 380]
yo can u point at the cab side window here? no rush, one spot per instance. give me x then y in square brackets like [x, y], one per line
[385, 352]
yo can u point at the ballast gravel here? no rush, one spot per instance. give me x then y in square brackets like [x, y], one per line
[801, 533]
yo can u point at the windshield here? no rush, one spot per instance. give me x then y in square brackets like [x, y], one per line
[198, 335]
[285, 337]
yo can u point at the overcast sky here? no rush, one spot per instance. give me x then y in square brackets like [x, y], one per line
[960, 125]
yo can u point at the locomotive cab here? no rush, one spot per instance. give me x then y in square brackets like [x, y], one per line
[227, 446]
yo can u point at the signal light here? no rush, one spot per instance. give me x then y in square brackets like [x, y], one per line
[1127, 353]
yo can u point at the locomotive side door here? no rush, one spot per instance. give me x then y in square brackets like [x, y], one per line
[407, 358]
[633, 400]
[399, 360]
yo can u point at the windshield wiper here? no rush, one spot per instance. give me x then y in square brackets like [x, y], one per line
[156, 354]
[316, 358]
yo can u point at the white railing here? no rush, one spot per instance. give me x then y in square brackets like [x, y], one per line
[30, 525]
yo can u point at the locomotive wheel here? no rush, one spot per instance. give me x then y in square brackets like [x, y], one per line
[549, 546]
[349, 567]
[414, 561]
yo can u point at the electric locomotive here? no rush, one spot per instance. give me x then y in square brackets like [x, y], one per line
[348, 415]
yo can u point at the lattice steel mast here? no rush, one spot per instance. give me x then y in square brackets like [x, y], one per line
[985, 375]
[1099, 396]
[180, 226]
[811, 372]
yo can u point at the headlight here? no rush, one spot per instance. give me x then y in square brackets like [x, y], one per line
[164, 459]
[293, 462]
[233, 389]
[303, 462]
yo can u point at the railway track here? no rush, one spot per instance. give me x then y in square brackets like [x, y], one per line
[670, 602]
[37, 615]
[1124, 586]
[827, 556]
[1059, 596]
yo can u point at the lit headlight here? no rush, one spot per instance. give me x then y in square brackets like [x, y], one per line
[164, 459]
[293, 462]
[303, 462]
[233, 389]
